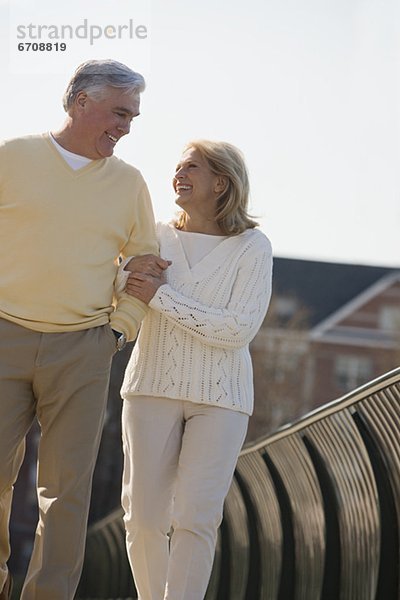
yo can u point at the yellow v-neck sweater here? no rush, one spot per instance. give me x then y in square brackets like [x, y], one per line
[61, 232]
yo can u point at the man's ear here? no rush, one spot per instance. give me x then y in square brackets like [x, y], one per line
[81, 99]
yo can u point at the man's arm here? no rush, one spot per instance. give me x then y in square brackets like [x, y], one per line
[129, 311]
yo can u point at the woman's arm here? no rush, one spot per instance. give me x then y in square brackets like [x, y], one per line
[230, 327]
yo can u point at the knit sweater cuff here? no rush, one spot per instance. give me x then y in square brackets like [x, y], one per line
[128, 316]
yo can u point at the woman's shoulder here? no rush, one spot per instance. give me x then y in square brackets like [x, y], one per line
[255, 238]
[164, 228]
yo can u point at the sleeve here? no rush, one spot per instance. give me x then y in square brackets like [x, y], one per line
[235, 325]
[129, 312]
[2, 165]
[122, 277]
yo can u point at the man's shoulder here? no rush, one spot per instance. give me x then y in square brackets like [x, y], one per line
[124, 168]
[20, 143]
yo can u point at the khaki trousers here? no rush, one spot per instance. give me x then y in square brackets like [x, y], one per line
[62, 378]
[180, 457]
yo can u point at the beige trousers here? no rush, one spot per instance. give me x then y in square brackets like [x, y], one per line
[180, 457]
[63, 379]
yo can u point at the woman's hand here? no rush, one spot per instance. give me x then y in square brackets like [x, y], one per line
[147, 264]
[143, 286]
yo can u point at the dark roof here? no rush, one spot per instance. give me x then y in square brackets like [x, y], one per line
[323, 287]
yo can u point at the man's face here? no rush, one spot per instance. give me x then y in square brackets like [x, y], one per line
[103, 121]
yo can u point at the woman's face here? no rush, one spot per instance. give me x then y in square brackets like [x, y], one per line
[196, 187]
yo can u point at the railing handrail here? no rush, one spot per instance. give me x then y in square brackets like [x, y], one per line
[326, 410]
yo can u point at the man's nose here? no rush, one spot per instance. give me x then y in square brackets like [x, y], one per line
[124, 128]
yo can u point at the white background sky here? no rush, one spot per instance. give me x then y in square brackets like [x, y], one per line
[309, 90]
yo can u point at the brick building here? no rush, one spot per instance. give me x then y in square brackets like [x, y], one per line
[331, 327]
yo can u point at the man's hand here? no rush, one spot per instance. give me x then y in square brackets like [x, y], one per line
[148, 264]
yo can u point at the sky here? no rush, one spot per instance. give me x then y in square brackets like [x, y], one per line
[309, 90]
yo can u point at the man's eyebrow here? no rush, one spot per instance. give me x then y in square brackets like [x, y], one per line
[126, 111]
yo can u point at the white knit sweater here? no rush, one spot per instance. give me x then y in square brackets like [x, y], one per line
[194, 341]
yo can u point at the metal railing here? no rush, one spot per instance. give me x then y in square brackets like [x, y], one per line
[313, 512]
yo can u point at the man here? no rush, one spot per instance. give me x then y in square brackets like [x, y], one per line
[68, 210]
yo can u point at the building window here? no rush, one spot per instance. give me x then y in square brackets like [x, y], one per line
[285, 308]
[352, 371]
[389, 318]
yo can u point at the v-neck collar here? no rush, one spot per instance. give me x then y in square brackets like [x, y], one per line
[74, 173]
[174, 250]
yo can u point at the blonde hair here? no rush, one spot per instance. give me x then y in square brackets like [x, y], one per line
[227, 161]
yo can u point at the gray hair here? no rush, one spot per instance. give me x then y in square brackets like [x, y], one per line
[93, 76]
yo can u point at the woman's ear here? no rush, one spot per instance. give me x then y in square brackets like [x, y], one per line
[221, 184]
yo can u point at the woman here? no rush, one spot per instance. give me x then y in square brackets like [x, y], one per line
[188, 389]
